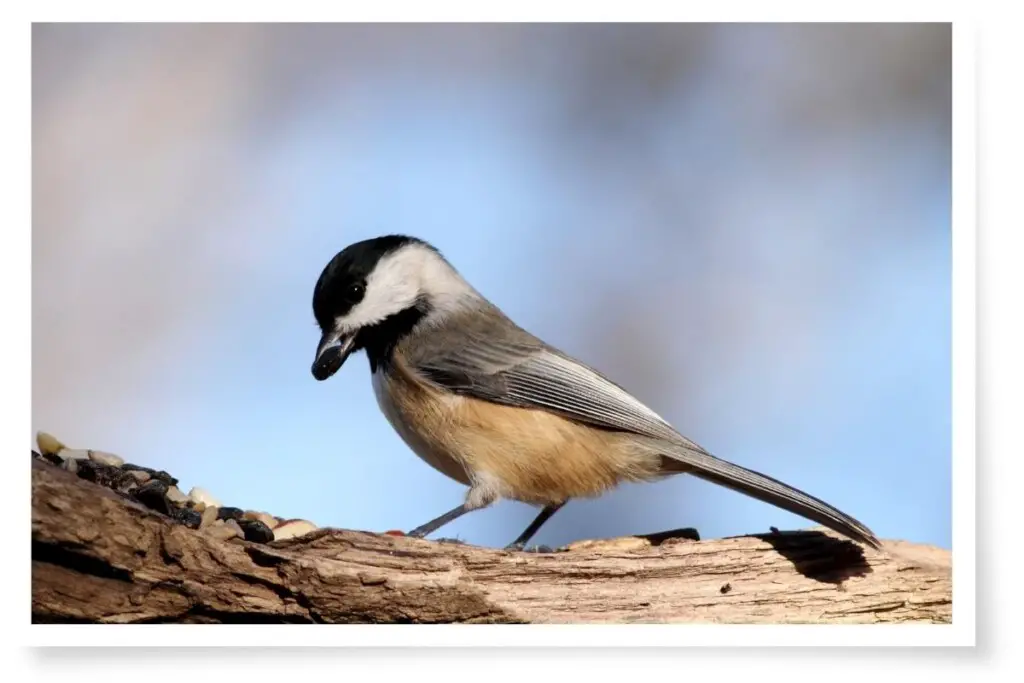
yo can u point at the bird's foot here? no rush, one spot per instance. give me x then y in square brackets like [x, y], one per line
[520, 547]
[453, 541]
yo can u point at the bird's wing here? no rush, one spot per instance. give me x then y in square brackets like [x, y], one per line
[510, 366]
[516, 369]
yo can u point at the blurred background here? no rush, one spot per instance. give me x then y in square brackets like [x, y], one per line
[748, 226]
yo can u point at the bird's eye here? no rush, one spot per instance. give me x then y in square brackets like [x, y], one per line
[354, 292]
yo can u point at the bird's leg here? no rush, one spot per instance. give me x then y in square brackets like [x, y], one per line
[438, 522]
[535, 525]
[477, 497]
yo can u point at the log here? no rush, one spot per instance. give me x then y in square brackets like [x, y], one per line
[98, 557]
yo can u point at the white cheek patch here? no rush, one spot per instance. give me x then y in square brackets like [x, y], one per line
[391, 288]
[398, 280]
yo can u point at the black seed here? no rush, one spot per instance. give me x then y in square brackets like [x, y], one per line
[118, 480]
[54, 458]
[256, 531]
[165, 478]
[126, 483]
[229, 513]
[104, 475]
[153, 494]
[189, 518]
[155, 474]
[725, 588]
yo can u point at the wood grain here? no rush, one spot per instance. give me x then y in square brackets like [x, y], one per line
[97, 557]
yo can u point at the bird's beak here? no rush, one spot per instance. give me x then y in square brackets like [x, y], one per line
[334, 348]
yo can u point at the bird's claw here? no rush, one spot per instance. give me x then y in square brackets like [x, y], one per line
[520, 547]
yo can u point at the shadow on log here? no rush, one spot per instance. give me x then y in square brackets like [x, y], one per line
[99, 557]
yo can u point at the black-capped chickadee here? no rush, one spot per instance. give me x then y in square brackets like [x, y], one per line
[495, 408]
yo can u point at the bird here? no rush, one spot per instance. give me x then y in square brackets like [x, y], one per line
[495, 408]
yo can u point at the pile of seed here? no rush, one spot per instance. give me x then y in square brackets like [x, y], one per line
[159, 491]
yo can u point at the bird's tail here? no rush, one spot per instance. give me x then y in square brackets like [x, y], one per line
[706, 466]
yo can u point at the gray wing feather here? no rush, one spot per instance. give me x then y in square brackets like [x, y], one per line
[515, 368]
[488, 357]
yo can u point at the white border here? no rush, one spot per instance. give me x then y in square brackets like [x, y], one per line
[961, 632]
[502, 635]
[964, 335]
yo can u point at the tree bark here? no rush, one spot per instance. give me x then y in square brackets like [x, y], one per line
[99, 557]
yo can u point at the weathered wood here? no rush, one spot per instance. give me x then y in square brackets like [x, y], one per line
[97, 557]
